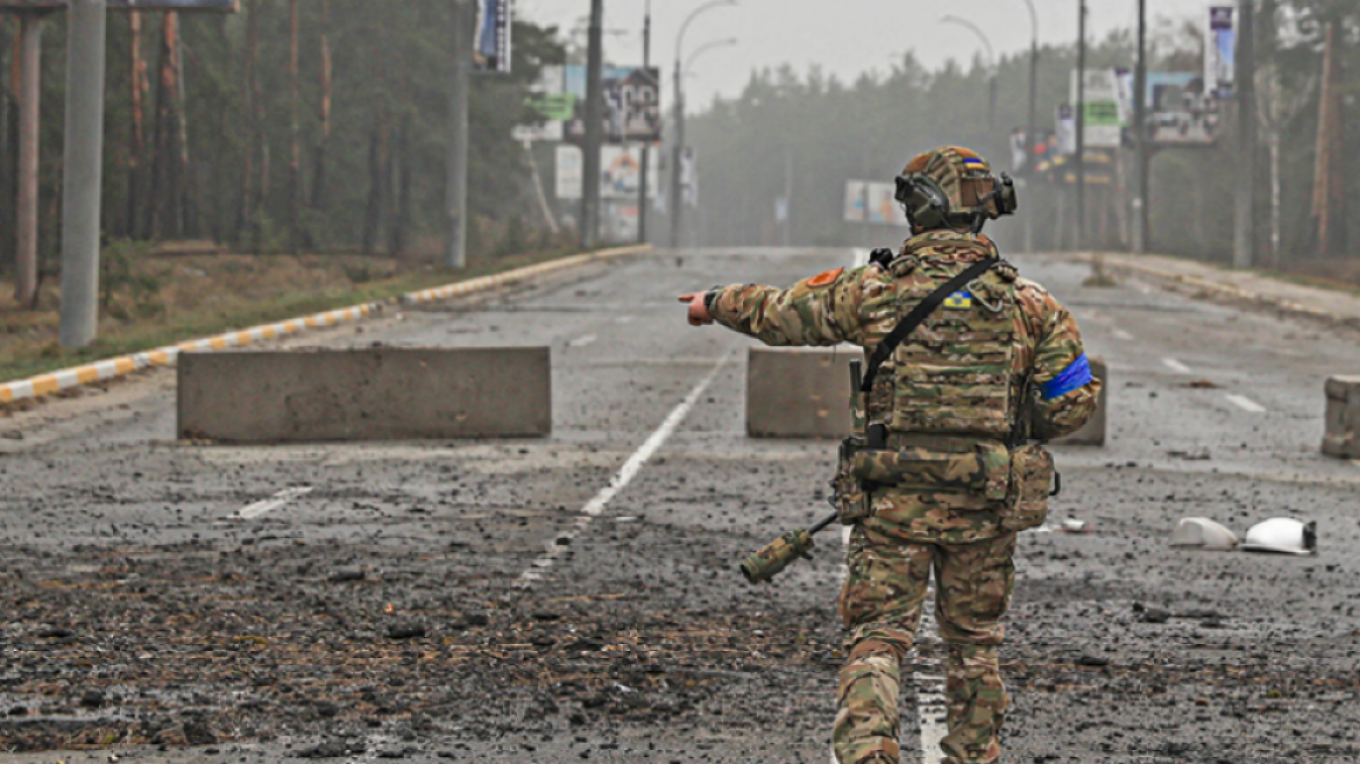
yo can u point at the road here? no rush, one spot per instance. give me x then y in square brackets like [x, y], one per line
[575, 598]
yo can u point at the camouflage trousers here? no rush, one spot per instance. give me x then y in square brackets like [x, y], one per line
[881, 606]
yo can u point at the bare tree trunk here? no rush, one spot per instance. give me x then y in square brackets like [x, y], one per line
[245, 212]
[259, 134]
[6, 167]
[400, 173]
[137, 140]
[377, 182]
[323, 145]
[295, 134]
[166, 193]
[188, 208]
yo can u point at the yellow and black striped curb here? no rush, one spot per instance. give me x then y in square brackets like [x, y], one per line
[46, 384]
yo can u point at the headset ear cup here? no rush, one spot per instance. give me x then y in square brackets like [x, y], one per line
[929, 203]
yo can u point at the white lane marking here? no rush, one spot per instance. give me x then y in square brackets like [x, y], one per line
[1246, 404]
[1176, 366]
[931, 705]
[274, 502]
[581, 342]
[620, 481]
[625, 319]
[1123, 335]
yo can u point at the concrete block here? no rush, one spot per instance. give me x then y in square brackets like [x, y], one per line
[798, 393]
[1342, 437]
[1093, 433]
[380, 393]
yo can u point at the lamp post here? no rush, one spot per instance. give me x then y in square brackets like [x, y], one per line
[1140, 200]
[1081, 125]
[1031, 155]
[991, 63]
[706, 47]
[677, 206]
[646, 144]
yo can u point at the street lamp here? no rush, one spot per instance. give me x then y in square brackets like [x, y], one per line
[677, 207]
[706, 47]
[991, 63]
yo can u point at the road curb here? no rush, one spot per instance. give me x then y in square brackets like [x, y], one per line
[1228, 291]
[79, 376]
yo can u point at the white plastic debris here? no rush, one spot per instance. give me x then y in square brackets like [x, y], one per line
[1282, 535]
[1202, 533]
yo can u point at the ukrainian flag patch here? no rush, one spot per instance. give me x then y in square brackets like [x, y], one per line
[961, 300]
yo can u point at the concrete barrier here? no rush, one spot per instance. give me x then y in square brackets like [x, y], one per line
[380, 393]
[1093, 433]
[797, 393]
[1342, 438]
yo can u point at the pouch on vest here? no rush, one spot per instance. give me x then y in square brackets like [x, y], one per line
[848, 494]
[1031, 481]
[985, 472]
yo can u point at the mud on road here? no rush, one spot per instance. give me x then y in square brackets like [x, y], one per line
[385, 614]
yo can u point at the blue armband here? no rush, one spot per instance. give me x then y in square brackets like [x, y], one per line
[1076, 376]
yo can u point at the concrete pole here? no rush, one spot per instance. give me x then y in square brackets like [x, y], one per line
[1244, 81]
[1032, 156]
[26, 247]
[455, 248]
[83, 168]
[1140, 199]
[646, 145]
[677, 158]
[590, 196]
[1081, 126]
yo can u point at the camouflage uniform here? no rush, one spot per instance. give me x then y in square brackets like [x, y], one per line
[967, 537]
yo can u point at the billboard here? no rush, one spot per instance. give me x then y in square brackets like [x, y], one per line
[868, 201]
[632, 103]
[620, 172]
[491, 46]
[1220, 52]
[1103, 116]
[220, 6]
[549, 105]
[1181, 112]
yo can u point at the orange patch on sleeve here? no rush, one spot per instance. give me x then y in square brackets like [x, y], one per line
[822, 279]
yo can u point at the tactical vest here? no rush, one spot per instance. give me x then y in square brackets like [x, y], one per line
[955, 374]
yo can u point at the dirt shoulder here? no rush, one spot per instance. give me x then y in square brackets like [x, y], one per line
[153, 299]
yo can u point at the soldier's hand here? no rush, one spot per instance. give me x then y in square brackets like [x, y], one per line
[698, 311]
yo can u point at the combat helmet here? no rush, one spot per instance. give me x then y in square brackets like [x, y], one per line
[953, 187]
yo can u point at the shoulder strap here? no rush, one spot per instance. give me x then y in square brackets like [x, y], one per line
[918, 314]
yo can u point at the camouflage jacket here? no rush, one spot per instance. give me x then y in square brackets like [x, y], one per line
[860, 306]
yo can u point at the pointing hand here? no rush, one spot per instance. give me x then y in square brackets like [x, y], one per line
[698, 311]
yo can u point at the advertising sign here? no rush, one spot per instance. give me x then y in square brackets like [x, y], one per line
[550, 107]
[220, 6]
[491, 46]
[632, 103]
[1102, 112]
[1182, 114]
[868, 201]
[620, 172]
[1220, 52]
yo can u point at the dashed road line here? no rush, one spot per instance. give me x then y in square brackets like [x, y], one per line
[1246, 404]
[581, 342]
[1123, 335]
[1176, 366]
[622, 478]
[277, 501]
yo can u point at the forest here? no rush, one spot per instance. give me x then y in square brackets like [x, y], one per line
[815, 132]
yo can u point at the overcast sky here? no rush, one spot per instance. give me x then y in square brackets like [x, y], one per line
[845, 36]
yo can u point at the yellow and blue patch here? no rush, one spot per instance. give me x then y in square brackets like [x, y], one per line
[961, 300]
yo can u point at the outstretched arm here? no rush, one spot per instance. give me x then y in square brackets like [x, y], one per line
[822, 310]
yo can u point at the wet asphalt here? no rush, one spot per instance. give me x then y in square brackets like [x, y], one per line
[385, 612]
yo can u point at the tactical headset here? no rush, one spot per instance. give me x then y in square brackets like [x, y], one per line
[927, 205]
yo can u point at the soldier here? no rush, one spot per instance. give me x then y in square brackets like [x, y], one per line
[995, 361]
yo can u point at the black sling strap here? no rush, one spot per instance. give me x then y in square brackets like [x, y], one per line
[918, 314]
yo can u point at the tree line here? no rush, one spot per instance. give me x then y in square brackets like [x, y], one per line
[819, 132]
[315, 125]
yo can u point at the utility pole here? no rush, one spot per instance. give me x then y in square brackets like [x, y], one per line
[1244, 82]
[83, 168]
[455, 249]
[646, 144]
[590, 196]
[1140, 200]
[1081, 126]
[26, 247]
[1031, 155]
[677, 158]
